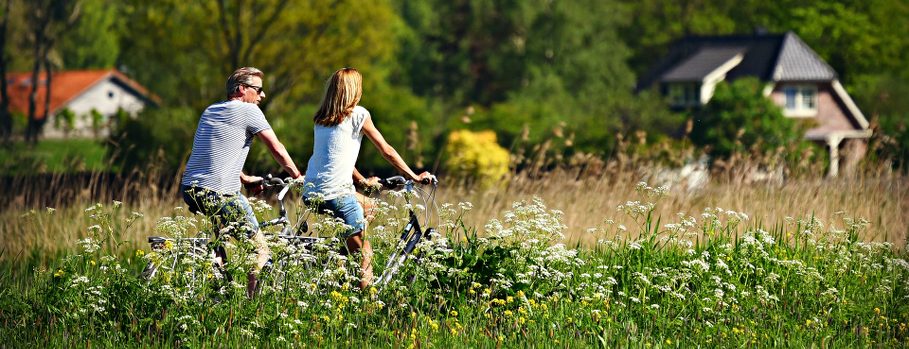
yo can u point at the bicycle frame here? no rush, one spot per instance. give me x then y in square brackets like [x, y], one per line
[410, 237]
[195, 246]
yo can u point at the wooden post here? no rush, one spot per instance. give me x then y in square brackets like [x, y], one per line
[833, 142]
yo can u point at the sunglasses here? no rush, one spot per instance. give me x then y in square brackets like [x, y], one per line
[254, 87]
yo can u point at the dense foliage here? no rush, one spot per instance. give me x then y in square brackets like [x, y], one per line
[739, 117]
[524, 68]
[476, 157]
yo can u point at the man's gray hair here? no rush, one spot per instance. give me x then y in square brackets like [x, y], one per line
[241, 76]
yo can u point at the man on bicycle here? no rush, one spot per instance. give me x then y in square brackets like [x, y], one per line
[214, 171]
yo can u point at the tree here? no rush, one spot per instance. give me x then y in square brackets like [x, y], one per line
[654, 24]
[185, 50]
[94, 40]
[66, 120]
[156, 137]
[551, 68]
[738, 117]
[467, 51]
[48, 19]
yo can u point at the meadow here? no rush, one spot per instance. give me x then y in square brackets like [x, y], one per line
[53, 155]
[556, 260]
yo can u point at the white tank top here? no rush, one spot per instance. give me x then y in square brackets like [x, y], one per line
[335, 150]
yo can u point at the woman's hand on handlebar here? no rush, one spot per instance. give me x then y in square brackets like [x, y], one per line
[426, 178]
[370, 184]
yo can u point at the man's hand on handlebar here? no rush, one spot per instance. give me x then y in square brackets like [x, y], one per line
[253, 184]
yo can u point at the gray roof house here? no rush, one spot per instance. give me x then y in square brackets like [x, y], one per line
[797, 79]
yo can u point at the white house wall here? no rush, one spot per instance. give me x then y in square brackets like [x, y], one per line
[106, 97]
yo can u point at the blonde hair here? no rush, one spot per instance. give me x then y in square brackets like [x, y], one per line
[342, 93]
[241, 76]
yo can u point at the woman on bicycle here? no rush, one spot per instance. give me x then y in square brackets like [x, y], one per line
[330, 176]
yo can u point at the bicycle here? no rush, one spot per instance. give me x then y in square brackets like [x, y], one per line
[191, 250]
[292, 234]
[410, 236]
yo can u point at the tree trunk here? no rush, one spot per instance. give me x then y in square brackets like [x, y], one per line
[42, 49]
[6, 119]
[47, 83]
[31, 131]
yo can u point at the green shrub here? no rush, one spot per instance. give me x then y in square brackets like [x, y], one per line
[739, 116]
[154, 137]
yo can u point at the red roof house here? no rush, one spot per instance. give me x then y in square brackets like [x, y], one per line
[105, 91]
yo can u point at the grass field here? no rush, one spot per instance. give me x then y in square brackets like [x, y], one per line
[604, 263]
[53, 156]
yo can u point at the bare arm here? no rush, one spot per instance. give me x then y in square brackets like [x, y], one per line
[247, 179]
[389, 153]
[279, 152]
[357, 177]
[363, 182]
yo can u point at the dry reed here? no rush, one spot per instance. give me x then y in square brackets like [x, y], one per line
[586, 202]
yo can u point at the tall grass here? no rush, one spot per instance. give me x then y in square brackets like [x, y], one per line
[712, 278]
[47, 216]
[588, 201]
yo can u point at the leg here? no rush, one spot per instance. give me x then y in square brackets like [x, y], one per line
[239, 209]
[350, 209]
[206, 202]
[356, 243]
[368, 205]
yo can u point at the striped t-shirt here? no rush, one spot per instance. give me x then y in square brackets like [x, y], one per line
[222, 140]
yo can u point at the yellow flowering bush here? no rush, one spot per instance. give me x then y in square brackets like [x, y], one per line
[476, 157]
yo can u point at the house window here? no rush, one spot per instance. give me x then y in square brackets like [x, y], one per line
[684, 94]
[110, 94]
[800, 100]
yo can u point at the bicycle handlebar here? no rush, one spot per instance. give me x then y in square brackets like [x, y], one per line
[392, 182]
[270, 182]
[397, 181]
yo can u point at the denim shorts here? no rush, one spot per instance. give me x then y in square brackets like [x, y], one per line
[221, 208]
[344, 207]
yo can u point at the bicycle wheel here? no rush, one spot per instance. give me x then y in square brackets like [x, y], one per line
[187, 261]
[286, 268]
[148, 273]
